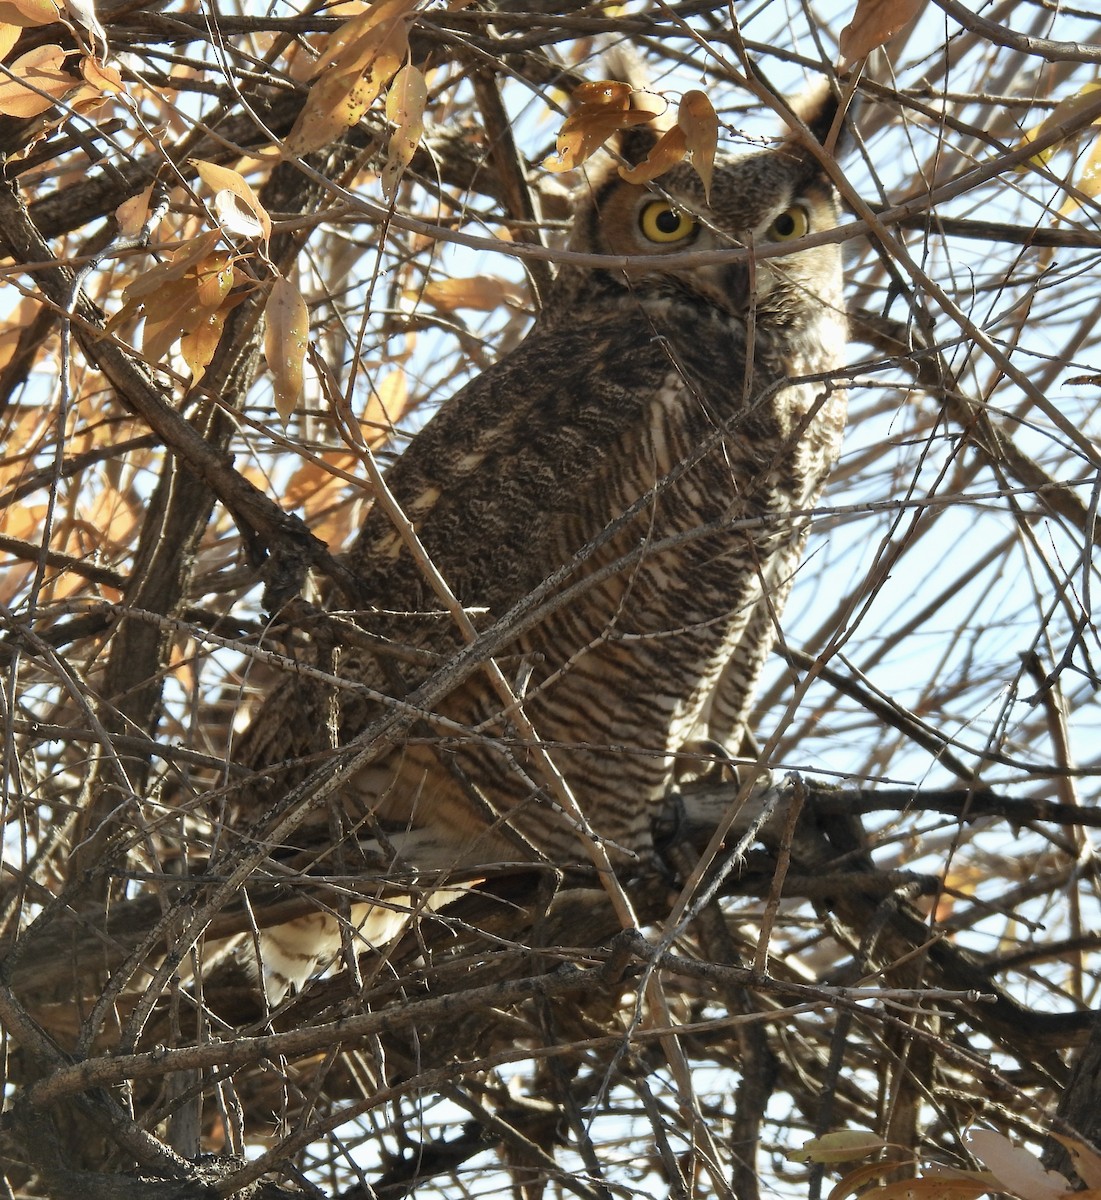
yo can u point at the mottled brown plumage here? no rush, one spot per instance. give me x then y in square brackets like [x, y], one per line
[634, 393]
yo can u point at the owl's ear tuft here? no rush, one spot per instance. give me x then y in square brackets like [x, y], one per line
[635, 143]
[818, 108]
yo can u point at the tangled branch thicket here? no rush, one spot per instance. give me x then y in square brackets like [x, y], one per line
[905, 940]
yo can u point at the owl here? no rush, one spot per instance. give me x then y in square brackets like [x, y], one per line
[647, 460]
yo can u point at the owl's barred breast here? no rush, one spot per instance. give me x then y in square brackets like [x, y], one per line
[617, 675]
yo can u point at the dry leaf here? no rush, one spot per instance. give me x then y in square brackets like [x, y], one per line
[483, 293]
[247, 216]
[101, 77]
[700, 123]
[927, 1189]
[197, 347]
[84, 13]
[1064, 113]
[405, 102]
[1017, 1170]
[286, 336]
[9, 35]
[874, 23]
[604, 106]
[43, 69]
[355, 63]
[27, 13]
[388, 402]
[842, 1145]
[1087, 1162]
[669, 150]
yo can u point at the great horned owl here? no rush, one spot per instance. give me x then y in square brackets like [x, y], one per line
[665, 427]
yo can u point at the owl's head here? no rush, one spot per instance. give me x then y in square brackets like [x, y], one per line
[768, 198]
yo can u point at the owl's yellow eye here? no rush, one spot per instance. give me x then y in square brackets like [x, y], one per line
[661, 222]
[791, 223]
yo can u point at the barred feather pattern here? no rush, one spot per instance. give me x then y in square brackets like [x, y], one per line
[632, 428]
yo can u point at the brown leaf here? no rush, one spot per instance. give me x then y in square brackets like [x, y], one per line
[700, 122]
[670, 149]
[286, 337]
[1087, 1162]
[357, 61]
[605, 107]
[874, 23]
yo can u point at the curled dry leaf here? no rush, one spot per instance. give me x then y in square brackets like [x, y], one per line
[874, 23]
[604, 106]
[286, 337]
[405, 103]
[101, 77]
[236, 205]
[700, 123]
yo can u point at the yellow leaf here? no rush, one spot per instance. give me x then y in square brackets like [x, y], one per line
[222, 179]
[700, 122]
[9, 35]
[1064, 113]
[842, 1145]
[669, 150]
[41, 69]
[874, 23]
[286, 336]
[405, 103]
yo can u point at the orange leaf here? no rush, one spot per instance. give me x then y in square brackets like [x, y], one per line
[26, 13]
[483, 293]
[197, 347]
[874, 23]
[40, 80]
[286, 336]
